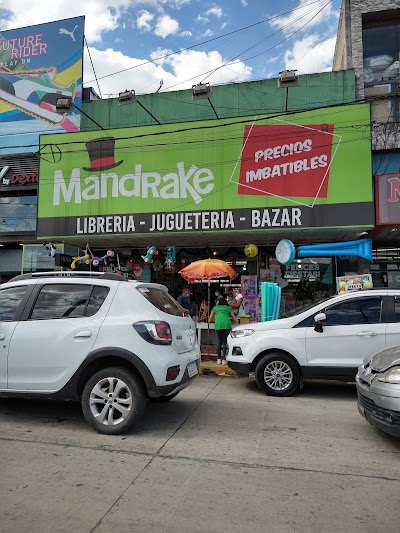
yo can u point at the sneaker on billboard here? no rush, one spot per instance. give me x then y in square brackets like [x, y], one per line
[34, 92]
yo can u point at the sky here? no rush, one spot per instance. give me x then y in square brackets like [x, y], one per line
[164, 45]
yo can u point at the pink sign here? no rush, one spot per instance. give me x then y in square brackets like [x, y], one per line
[387, 198]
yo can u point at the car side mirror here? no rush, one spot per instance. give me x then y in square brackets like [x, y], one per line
[319, 319]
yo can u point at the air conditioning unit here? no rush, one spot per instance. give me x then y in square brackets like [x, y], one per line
[288, 78]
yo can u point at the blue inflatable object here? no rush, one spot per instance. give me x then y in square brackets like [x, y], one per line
[361, 248]
[270, 301]
[285, 252]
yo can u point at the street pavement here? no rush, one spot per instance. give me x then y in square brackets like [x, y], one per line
[221, 457]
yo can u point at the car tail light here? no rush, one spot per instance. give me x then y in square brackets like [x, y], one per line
[154, 331]
[172, 373]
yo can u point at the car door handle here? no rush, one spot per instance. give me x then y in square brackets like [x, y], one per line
[83, 334]
[2, 336]
[367, 334]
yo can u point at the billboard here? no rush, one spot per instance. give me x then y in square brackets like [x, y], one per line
[305, 170]
[38, 65]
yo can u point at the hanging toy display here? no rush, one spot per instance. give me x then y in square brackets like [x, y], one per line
[88, 258]
[170, 257]
[85, 258]
[97, 260]
[151, 252]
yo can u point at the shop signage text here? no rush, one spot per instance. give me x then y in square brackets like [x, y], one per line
[394, 189]
[271, 164]
[18, 179]
[303, 271]
[189, 221]
[191, 182]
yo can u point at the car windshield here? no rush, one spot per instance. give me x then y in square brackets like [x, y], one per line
[301, 308]
[162, 300]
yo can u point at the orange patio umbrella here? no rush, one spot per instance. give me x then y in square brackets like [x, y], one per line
[207, 269]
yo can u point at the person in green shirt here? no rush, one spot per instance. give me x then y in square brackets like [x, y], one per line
[223, 316]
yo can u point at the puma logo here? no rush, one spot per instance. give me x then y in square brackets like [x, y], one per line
[67, 32]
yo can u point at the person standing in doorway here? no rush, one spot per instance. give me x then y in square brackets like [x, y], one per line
[223, 316]
[184, 299]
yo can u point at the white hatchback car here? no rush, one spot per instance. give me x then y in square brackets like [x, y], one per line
[97, 338]
[330, 340]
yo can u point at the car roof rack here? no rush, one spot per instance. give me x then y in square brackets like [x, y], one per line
[70, 274]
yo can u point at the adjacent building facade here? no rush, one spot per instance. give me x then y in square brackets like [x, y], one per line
[368, 41]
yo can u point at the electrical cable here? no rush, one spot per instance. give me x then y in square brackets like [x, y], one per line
[322, 32]
[233, 62]
[205, 42]
[94, 71]
[278, 31]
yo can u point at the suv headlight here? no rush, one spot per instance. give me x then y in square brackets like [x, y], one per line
[391, 376]
[236, 334]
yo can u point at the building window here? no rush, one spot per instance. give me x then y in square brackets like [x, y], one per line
[381, 48]
[18, 214]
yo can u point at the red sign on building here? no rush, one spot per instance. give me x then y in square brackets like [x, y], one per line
[287, 160]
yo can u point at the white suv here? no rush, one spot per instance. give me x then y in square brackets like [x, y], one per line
[327, 341]
[98, 338]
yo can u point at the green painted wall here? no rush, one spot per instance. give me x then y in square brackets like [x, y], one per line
[233, 100]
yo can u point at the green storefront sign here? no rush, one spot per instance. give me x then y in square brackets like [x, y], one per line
[305, 170]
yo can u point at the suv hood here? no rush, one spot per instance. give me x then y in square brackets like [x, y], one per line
[281, 323]
[385, 359]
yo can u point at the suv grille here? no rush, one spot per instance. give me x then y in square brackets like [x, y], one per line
[379, 412]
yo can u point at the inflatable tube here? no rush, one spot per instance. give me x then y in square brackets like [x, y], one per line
[361, 248]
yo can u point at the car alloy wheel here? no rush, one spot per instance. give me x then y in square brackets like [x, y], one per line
[112, 400]
[277, 374]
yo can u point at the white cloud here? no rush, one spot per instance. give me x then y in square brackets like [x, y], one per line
[186, 68]
[100, 16]
[224, 25]
[303, 15]
[200, 18]
[186, 33]
[208, 33]
[166, 26]
[108, 61]
[244, 3]
[177, 4]
[216, 11]
[193, 64]
[143, 20]
[311, 55]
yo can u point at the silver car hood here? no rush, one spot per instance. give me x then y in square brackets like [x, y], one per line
[385, 359]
